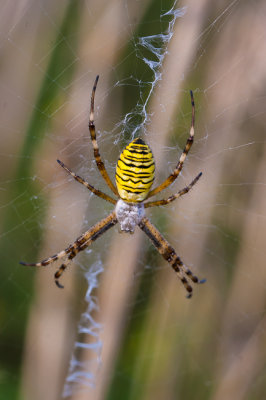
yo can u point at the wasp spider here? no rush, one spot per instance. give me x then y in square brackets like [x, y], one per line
[134, 178]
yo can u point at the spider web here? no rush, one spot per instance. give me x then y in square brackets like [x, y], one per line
[127, 330]
[80, 374]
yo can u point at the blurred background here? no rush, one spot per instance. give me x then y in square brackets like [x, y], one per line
[123, 318]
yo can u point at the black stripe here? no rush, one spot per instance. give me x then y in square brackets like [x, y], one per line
[141, 174]
[136, 177]
[137, 146]
[141, 161]
[138, 159]
[135, 191]
[140, 151]
[135, 166]
[130, 175]
[134, 182]
[130, 189]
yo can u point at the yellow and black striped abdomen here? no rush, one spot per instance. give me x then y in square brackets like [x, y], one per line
[135, 171]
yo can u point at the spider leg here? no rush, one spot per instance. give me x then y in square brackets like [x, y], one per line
[169, 254]
[88, 186]
[99, 162]
[174, 196]
[80, 244]
[48, 260]
[62, 268]
[179, 166]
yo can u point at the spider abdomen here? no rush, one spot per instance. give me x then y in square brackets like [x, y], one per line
[135, 171]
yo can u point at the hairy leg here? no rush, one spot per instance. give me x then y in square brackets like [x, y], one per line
[98, 193]
[179, 166]
[169, 254]
[99, 162]
[174, 196]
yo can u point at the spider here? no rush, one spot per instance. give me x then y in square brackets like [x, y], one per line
[134, 177]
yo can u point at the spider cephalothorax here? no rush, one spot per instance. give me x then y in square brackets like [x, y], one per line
[129, 215]
[134, 178]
